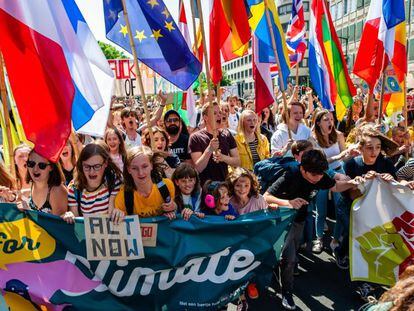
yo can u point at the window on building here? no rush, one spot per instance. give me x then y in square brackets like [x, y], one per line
[242, 75]
[251, 85]
[340, 10]
[242, 61]
[250, 58]
[306, 6]
[346, 7]
[351, 32]
[358, 30]
[250, 72]
[345, 32]
[250, 43]
[238, 62]
[411, 51]
[305, 62]
[238, 76]
[360, 3]
[353, 6]
[333, 12]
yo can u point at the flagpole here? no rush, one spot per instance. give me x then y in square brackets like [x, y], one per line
[297, 74]
[200, 87]
[272, 36]
[208, 77]
[381, 103]
[138, 73]
[6, 115]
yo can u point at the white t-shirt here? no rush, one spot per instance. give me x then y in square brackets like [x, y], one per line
[233, 121]
[133, 143]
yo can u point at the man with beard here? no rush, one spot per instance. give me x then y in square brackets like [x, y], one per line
[178, 135]
[212, 156]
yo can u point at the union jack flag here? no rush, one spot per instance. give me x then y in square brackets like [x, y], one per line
[296, 33]
[295, 36]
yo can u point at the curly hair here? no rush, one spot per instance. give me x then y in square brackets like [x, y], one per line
[242, 172]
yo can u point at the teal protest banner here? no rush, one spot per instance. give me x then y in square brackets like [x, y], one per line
[199, 264]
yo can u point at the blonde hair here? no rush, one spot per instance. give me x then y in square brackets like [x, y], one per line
[243, 116]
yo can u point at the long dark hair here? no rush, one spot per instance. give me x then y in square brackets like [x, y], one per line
[112, 172]
[271, 120]
[332, 138]
[185, 170]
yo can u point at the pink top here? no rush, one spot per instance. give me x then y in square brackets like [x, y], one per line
[254, 204]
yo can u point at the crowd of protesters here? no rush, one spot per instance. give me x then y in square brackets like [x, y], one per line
[219, 168]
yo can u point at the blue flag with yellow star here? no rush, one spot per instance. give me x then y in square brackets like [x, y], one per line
[159, 43]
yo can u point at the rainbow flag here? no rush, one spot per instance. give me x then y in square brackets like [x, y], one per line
[327, 65]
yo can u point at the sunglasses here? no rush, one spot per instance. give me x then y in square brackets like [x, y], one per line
[172, 120]
[95, 167]
[41, 165]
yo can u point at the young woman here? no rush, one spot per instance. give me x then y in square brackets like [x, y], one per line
[68, 161]
[96, 183]
[21, 154]
[268, 120]
[113, 138]
[187, 191]
[332, 143]
[48, 193]
[163, 154]
[145, 192]
[251, 145]
[244, 188]
[294, 124]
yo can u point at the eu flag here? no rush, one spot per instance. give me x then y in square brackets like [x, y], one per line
[158, 41]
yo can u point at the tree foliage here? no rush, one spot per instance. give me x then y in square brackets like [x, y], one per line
[110, 51]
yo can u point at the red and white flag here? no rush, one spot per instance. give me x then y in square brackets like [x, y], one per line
[263, 81]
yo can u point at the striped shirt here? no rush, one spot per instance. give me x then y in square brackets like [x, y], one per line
[95, 202]
[253, 150]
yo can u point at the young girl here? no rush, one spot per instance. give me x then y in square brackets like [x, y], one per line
[187, 191]
[115, 142]
[68, 161]
[95, 185]
[48, 193]
[145, 192]
[216, 200]
[245, 192]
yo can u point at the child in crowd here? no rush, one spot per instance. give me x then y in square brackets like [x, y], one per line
[96, 183]
[244, 188]
[117, 151]
[216, 200]
[68, 161]
[145, 192]
[47, 193]
[187, 191]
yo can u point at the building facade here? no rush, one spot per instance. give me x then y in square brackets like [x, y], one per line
[348, 17]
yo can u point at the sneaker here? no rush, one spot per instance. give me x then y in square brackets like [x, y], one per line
[366, 292]
[252, 291]
[333, 245]
[341, 261]
[317, 246]
[287, 301]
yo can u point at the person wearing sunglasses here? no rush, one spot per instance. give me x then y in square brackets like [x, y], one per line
[95, 184]
[48, 192]
[178, 135]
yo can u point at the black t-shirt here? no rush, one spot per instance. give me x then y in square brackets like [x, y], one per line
[356, 167]
[180, 147]
[292, 185]
[199, 142]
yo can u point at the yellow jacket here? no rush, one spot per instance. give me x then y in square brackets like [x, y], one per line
[246, 159]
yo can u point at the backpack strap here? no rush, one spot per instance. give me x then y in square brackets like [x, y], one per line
[78, 197]
[129, 202]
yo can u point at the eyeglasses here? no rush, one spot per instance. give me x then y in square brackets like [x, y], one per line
[41, 165]
[95, 167]
[172, 120]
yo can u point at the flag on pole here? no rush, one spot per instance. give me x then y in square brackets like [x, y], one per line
[296, 33]
[229, 33]
[383, 37]
[189, 98]
[259, 25]
[93, 81]
[159, 43]
[263, 81]
[327, 66]
[198, 48]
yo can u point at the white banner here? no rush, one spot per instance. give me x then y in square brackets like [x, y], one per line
[382, 232]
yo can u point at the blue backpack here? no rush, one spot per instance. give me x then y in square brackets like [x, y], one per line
[269, 170]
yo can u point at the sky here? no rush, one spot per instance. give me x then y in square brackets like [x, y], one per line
[92, 11]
